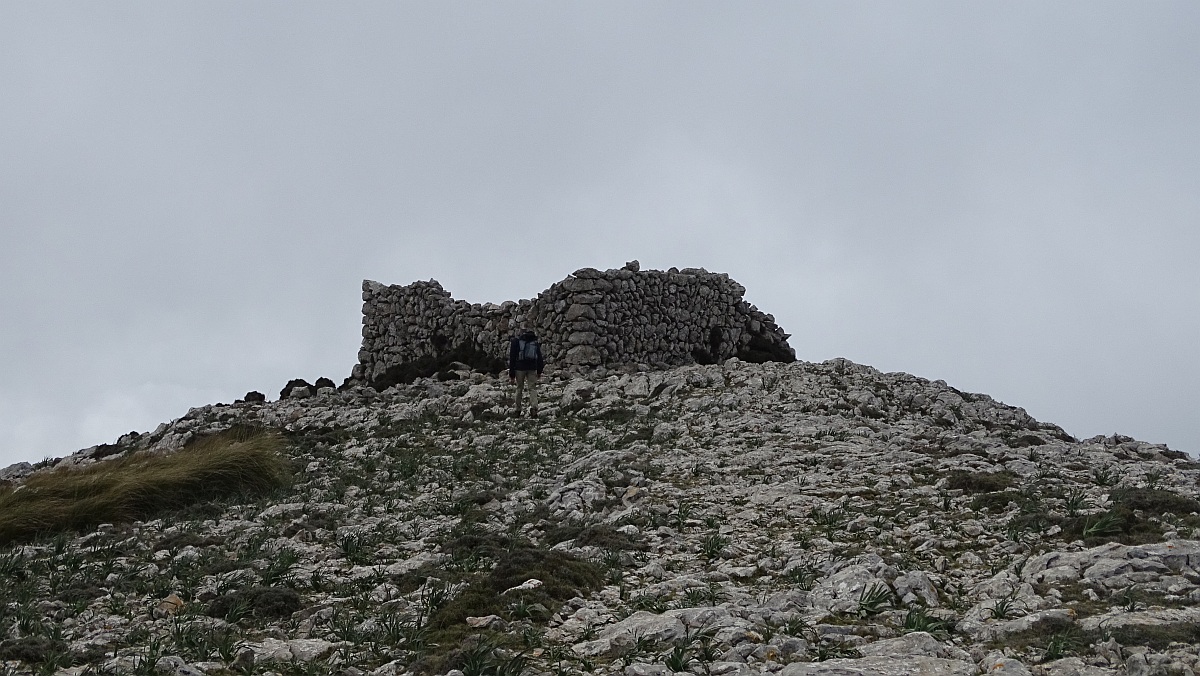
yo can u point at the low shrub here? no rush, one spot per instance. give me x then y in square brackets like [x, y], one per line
[177, 541]
[31, 649]
[1129, 521]
[563, 577]
[1158, 636]
[1156, 501]
[603, 536]
[259, 602]
[995, 502]
[979, 482]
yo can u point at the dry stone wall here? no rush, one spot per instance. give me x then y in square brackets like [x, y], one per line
[593, 317]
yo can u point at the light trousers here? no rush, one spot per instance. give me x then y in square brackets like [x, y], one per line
[530, 377]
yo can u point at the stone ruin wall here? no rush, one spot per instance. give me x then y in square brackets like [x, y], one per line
[593, 317]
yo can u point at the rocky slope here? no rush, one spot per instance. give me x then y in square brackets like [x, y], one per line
[725, 519]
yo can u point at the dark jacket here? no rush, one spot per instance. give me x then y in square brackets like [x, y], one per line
[516, 363]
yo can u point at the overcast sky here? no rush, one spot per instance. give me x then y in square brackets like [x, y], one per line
[1005, 196]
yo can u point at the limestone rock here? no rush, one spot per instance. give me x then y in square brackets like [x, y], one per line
[176, 666]
[656, 629]
[841, 591]
[915, 643]
[583, 355]
[882, 666]
[1073, 666]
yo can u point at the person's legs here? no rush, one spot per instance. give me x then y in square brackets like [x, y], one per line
[520, 389]
[533, 378]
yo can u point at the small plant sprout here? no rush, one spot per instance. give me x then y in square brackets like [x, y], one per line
[677, 659]
[1105, 476]
[1007, 607]
[713, 546]
[918, 619]
[1075, 500]
[1153, 478]
[875, 599]
[681, 515]
[1105, 524]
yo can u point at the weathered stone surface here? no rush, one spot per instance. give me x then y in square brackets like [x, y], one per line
[1143, 618]
[648, 670]
[840, 592]
[579, 311]
[1006, 666]
[915, 643]
[883, 666]
[583, 355]
[916, 586]
[1073, 666]
[16, 471]
[176, 666]
[656, 629]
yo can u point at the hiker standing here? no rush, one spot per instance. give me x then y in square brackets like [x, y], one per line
[525, 364]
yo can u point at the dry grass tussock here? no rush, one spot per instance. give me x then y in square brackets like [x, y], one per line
[141, 486]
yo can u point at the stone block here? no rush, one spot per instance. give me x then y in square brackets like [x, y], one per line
[583, 355]
[578, 311]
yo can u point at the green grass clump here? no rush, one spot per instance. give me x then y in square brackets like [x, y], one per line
[141, 486]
